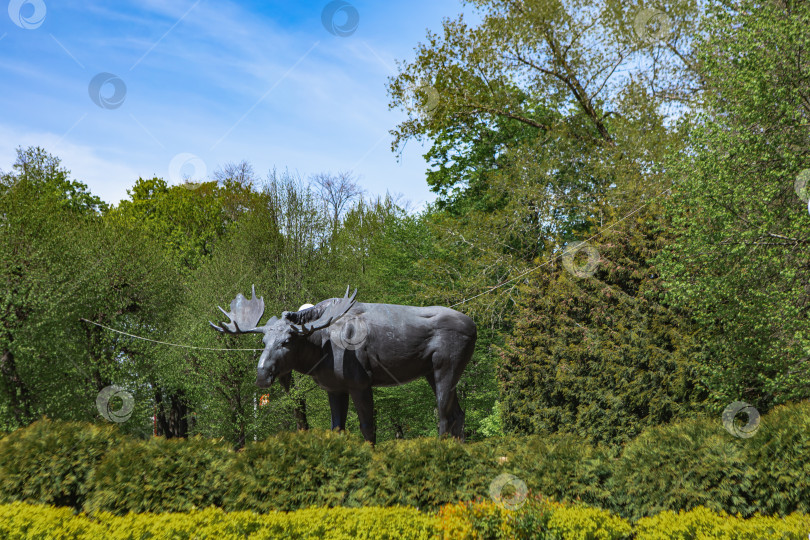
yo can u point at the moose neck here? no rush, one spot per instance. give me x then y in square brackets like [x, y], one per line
[311, 352]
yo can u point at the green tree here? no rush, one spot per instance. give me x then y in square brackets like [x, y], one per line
[601, 355]
[64, 263]
[740, 258]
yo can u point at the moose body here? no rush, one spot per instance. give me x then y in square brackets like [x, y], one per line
[349, 347]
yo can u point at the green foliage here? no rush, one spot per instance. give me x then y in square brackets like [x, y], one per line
[20, 521]
[297, 470]
[50, 462]
[704, 523]
[698, 463]
[776, 452]
[561, 466]
[425, 473]
[44, 172]
[159, 475]
[602, 355]
[683, 466]
[740, 255]
[673, 467]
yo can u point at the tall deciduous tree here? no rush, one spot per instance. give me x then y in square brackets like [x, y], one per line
[741, 257]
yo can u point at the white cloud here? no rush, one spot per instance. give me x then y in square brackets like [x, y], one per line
[107, 179]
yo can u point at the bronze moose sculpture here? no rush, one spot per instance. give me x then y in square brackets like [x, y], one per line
[348, 347]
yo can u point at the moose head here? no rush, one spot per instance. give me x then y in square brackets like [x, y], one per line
[286, 340]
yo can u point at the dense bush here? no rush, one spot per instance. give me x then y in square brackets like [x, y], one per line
[779, 455]
[561, 466]
[296, 470]
[537, 518]
[50, 462]
[682, 466]
[674, 467]
[703, 523]
[425, 473]
[160, 475]
[698, 463]
[23, 521]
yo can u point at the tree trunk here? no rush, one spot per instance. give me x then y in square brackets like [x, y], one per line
[19, 397]
[300, 413]
[172, 415]
[300, 408]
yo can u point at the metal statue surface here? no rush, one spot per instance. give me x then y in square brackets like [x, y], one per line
[348, 347]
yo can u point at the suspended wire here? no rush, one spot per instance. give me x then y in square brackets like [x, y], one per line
[527, 272]
[164, 342]
[554, 258]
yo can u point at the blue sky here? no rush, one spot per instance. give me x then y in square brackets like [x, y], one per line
[220, 81]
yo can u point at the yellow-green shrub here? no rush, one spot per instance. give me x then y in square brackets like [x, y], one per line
[23, 521]
[535, 518]
[702, 523]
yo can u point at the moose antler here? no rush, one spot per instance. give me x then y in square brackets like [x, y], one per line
[244, 315]
[329, 315]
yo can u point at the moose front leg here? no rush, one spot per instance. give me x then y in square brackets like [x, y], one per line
[364, 403]
[339, 404]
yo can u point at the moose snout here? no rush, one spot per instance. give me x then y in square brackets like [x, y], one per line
[265, 374]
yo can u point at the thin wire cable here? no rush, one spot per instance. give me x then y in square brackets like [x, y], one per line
[529, 271]
[164, 342]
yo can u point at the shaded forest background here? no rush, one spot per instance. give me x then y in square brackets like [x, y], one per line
[672, 139]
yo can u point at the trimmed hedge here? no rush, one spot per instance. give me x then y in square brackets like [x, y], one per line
[166, 475]
[51, 462]
[698, 463]
[297, 470]
[20, 521]
[703, 523]
[674, 467]
[537, 518]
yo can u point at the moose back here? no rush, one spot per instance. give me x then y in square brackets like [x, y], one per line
[348, 347]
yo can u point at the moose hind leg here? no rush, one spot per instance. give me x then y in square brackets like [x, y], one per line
[339, 405]
[364, 403]
[451, 415]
